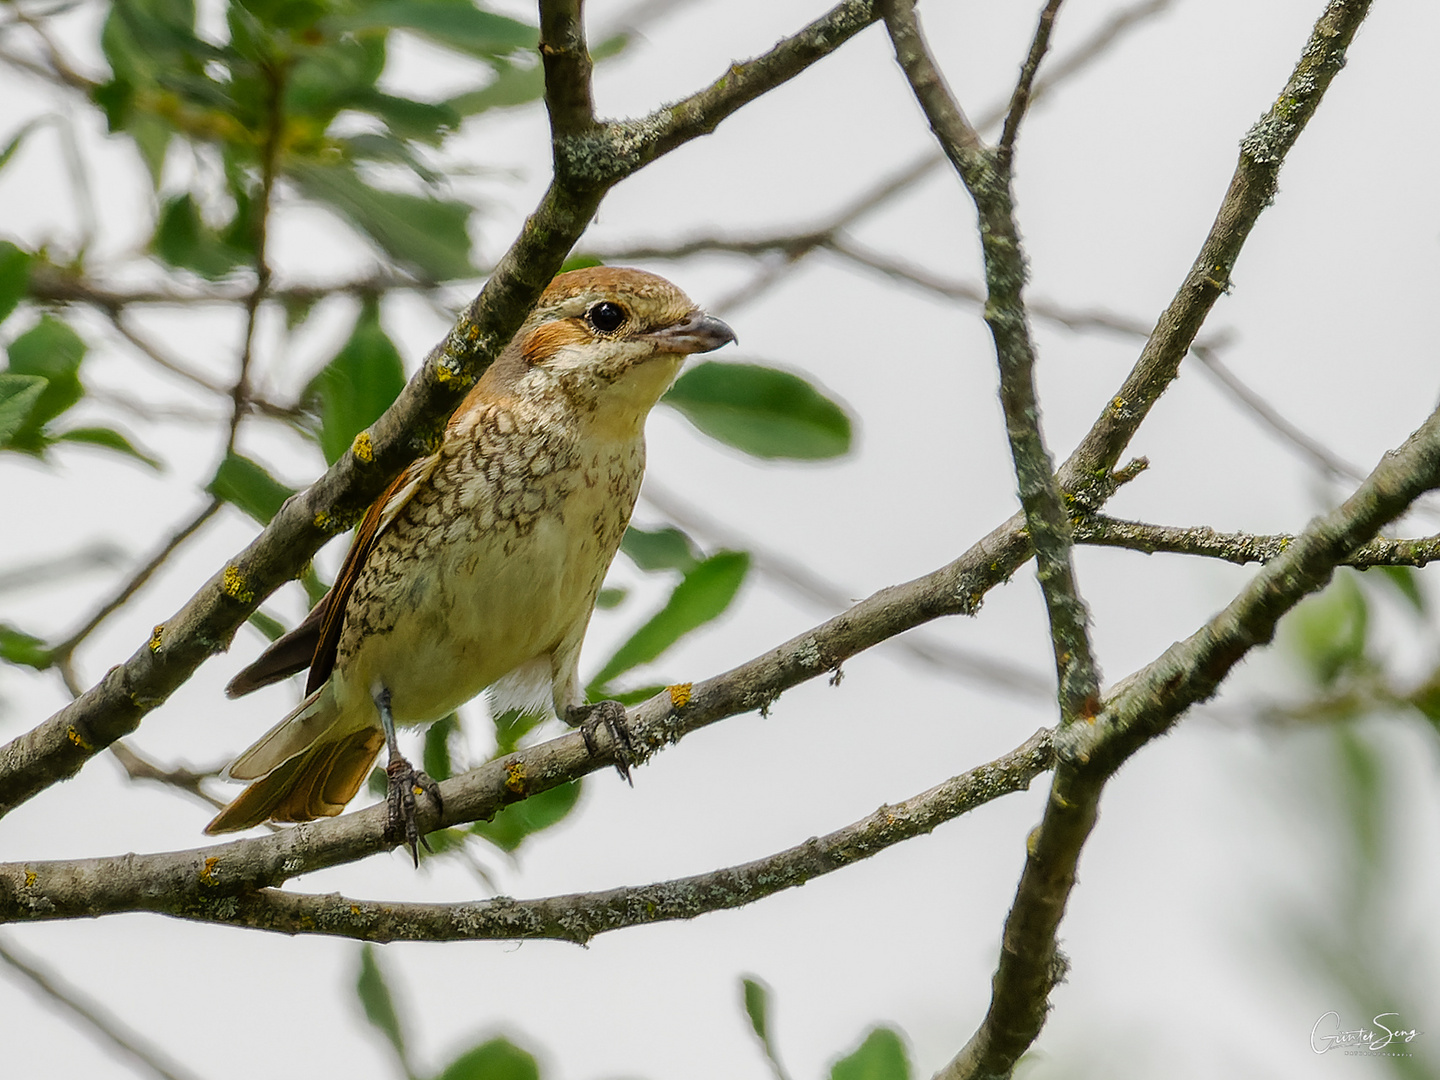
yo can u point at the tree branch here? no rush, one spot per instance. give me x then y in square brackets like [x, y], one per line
[1251, 190]
[206, 875]
[579, 917]
[1241, 548]
[986, 175]
[1147, 703]
[1020, 99]
[567, 69]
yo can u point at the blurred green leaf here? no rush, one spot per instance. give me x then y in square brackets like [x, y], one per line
[248, 487]
[382, 146]
[154, 56]
[581, 262]
[1327, 631]
[1406, 580]
[1363, 772]
[53, 351]
[314, 587]
[435, 759]
[511, 726]
[497, 1059]
[183, 240]
[521, 83]
[763, 411]
[426, 234]
[757, 1008]
[880, 1057]
[110, 440]
[379, 1006]
[356, 386]
[333, 74]
[18, 647]
[607, 598]
[663, 549]
[14, 276]
[18, 394]
[701, 595]
[452, 24]
[512, 824]
[283, 14]
[1426, 698]
[271, 627]
[633, 697]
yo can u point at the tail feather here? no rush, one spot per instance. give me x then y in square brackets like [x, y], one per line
[302, 727]
[317, 782]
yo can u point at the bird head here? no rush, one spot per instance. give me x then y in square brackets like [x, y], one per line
[608, 340]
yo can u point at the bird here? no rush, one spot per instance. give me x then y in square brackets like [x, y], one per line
[480, 565]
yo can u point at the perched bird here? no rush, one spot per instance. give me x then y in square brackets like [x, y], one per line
[480, 565]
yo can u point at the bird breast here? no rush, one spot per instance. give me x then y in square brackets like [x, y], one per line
[494, 562]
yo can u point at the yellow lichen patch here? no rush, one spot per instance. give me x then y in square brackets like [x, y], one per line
[322, 520]
[680, 694]
[30, 878]
[207, 873]
[444, 373]
[78, 739]
[354, 909]
[363, 448]
[233, 584]
[155, 636]
[515, 778]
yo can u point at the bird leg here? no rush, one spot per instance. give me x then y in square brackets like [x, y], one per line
[406, 782]
[610, 714]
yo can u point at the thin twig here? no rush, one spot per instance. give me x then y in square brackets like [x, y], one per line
[137, 580]
[155, 354]
[568, 68]
[1240, 548]
[54, 284]
[94, 1017]
[986, 175]
[95, 555]
[1020, 99]
[1325, 460]
[269, 164]
[138, 768]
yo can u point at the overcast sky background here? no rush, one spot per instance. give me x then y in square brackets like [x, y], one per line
[1209, 840]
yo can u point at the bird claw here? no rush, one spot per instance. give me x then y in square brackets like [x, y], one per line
[610, 714]
[406, 782]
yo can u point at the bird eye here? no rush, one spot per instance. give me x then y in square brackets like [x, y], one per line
[606, 317]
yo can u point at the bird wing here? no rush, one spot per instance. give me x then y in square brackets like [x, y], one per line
[381, 513]
[285, 656]
[312, 644]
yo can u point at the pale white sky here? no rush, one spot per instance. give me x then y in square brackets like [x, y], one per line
[1209, 841]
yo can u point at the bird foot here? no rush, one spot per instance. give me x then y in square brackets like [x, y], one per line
[406, 782]
[611, 715]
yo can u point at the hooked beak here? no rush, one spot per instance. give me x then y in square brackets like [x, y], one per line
[696, 333]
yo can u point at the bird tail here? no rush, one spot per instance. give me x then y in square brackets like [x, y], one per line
[308, 765]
